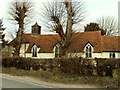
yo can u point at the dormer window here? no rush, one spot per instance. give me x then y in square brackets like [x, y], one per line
[88, 51]
[34, 51]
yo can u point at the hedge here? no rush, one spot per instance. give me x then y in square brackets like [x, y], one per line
[29, 63]
[84, 66]
[79, 66]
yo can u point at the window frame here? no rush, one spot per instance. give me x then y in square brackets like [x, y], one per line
[57, 50]
[88, 51]
[34, 51]
[112, 55]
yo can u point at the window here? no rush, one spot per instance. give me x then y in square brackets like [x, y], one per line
[88, 51]
[34, 51]
[57, 50]
[112, 55]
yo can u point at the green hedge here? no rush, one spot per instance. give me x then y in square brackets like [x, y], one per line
[84, 66]
[29, 63]
[17, 62]
[80, 66]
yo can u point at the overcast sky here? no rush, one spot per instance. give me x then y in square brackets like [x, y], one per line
[94, 9]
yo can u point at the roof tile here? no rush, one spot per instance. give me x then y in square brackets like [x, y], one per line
[78, 42]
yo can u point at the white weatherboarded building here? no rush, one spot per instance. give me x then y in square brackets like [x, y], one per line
[84, 44]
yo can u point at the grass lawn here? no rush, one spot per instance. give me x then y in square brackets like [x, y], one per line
[57, 76]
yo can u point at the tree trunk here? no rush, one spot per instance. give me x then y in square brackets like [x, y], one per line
[17, 51]
[69, 20]
[19, 39]
[68, 34]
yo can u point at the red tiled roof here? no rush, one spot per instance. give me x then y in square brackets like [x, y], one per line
[111, 43]
[79, 40]
[45, 42]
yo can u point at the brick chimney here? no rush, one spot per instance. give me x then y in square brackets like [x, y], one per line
[36, 29]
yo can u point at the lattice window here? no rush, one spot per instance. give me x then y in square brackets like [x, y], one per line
[88, 51]
[34, 51]
[112, 55]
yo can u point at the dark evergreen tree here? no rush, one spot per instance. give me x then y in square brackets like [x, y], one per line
[94, 27]
[1, 27]
[2, 41]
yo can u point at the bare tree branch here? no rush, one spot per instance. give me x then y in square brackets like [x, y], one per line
[61, 17]
[108, 24]
[20, 12]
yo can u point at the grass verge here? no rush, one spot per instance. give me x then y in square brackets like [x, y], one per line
[59, 77]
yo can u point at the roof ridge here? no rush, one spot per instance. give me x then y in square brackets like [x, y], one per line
[39, 34]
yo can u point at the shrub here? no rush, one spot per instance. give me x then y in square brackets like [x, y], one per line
[116, 73]
[79, 66]
[21, 63]
[84, 66]
[35, 65]
[28, 63]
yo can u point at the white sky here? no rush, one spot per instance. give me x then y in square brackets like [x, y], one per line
[94, 9]
[98, 8]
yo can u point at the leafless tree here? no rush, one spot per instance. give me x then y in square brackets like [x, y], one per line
[20, 13]
[61, 16]
[108, 24]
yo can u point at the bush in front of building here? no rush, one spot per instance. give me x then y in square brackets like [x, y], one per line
[81, 66]
[30, 64]
[18, 62]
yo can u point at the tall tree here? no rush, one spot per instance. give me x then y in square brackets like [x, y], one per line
[94, 27]
[61, 18]
[108, 24]
[2, 40]
[1, 27]
[20, 13]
